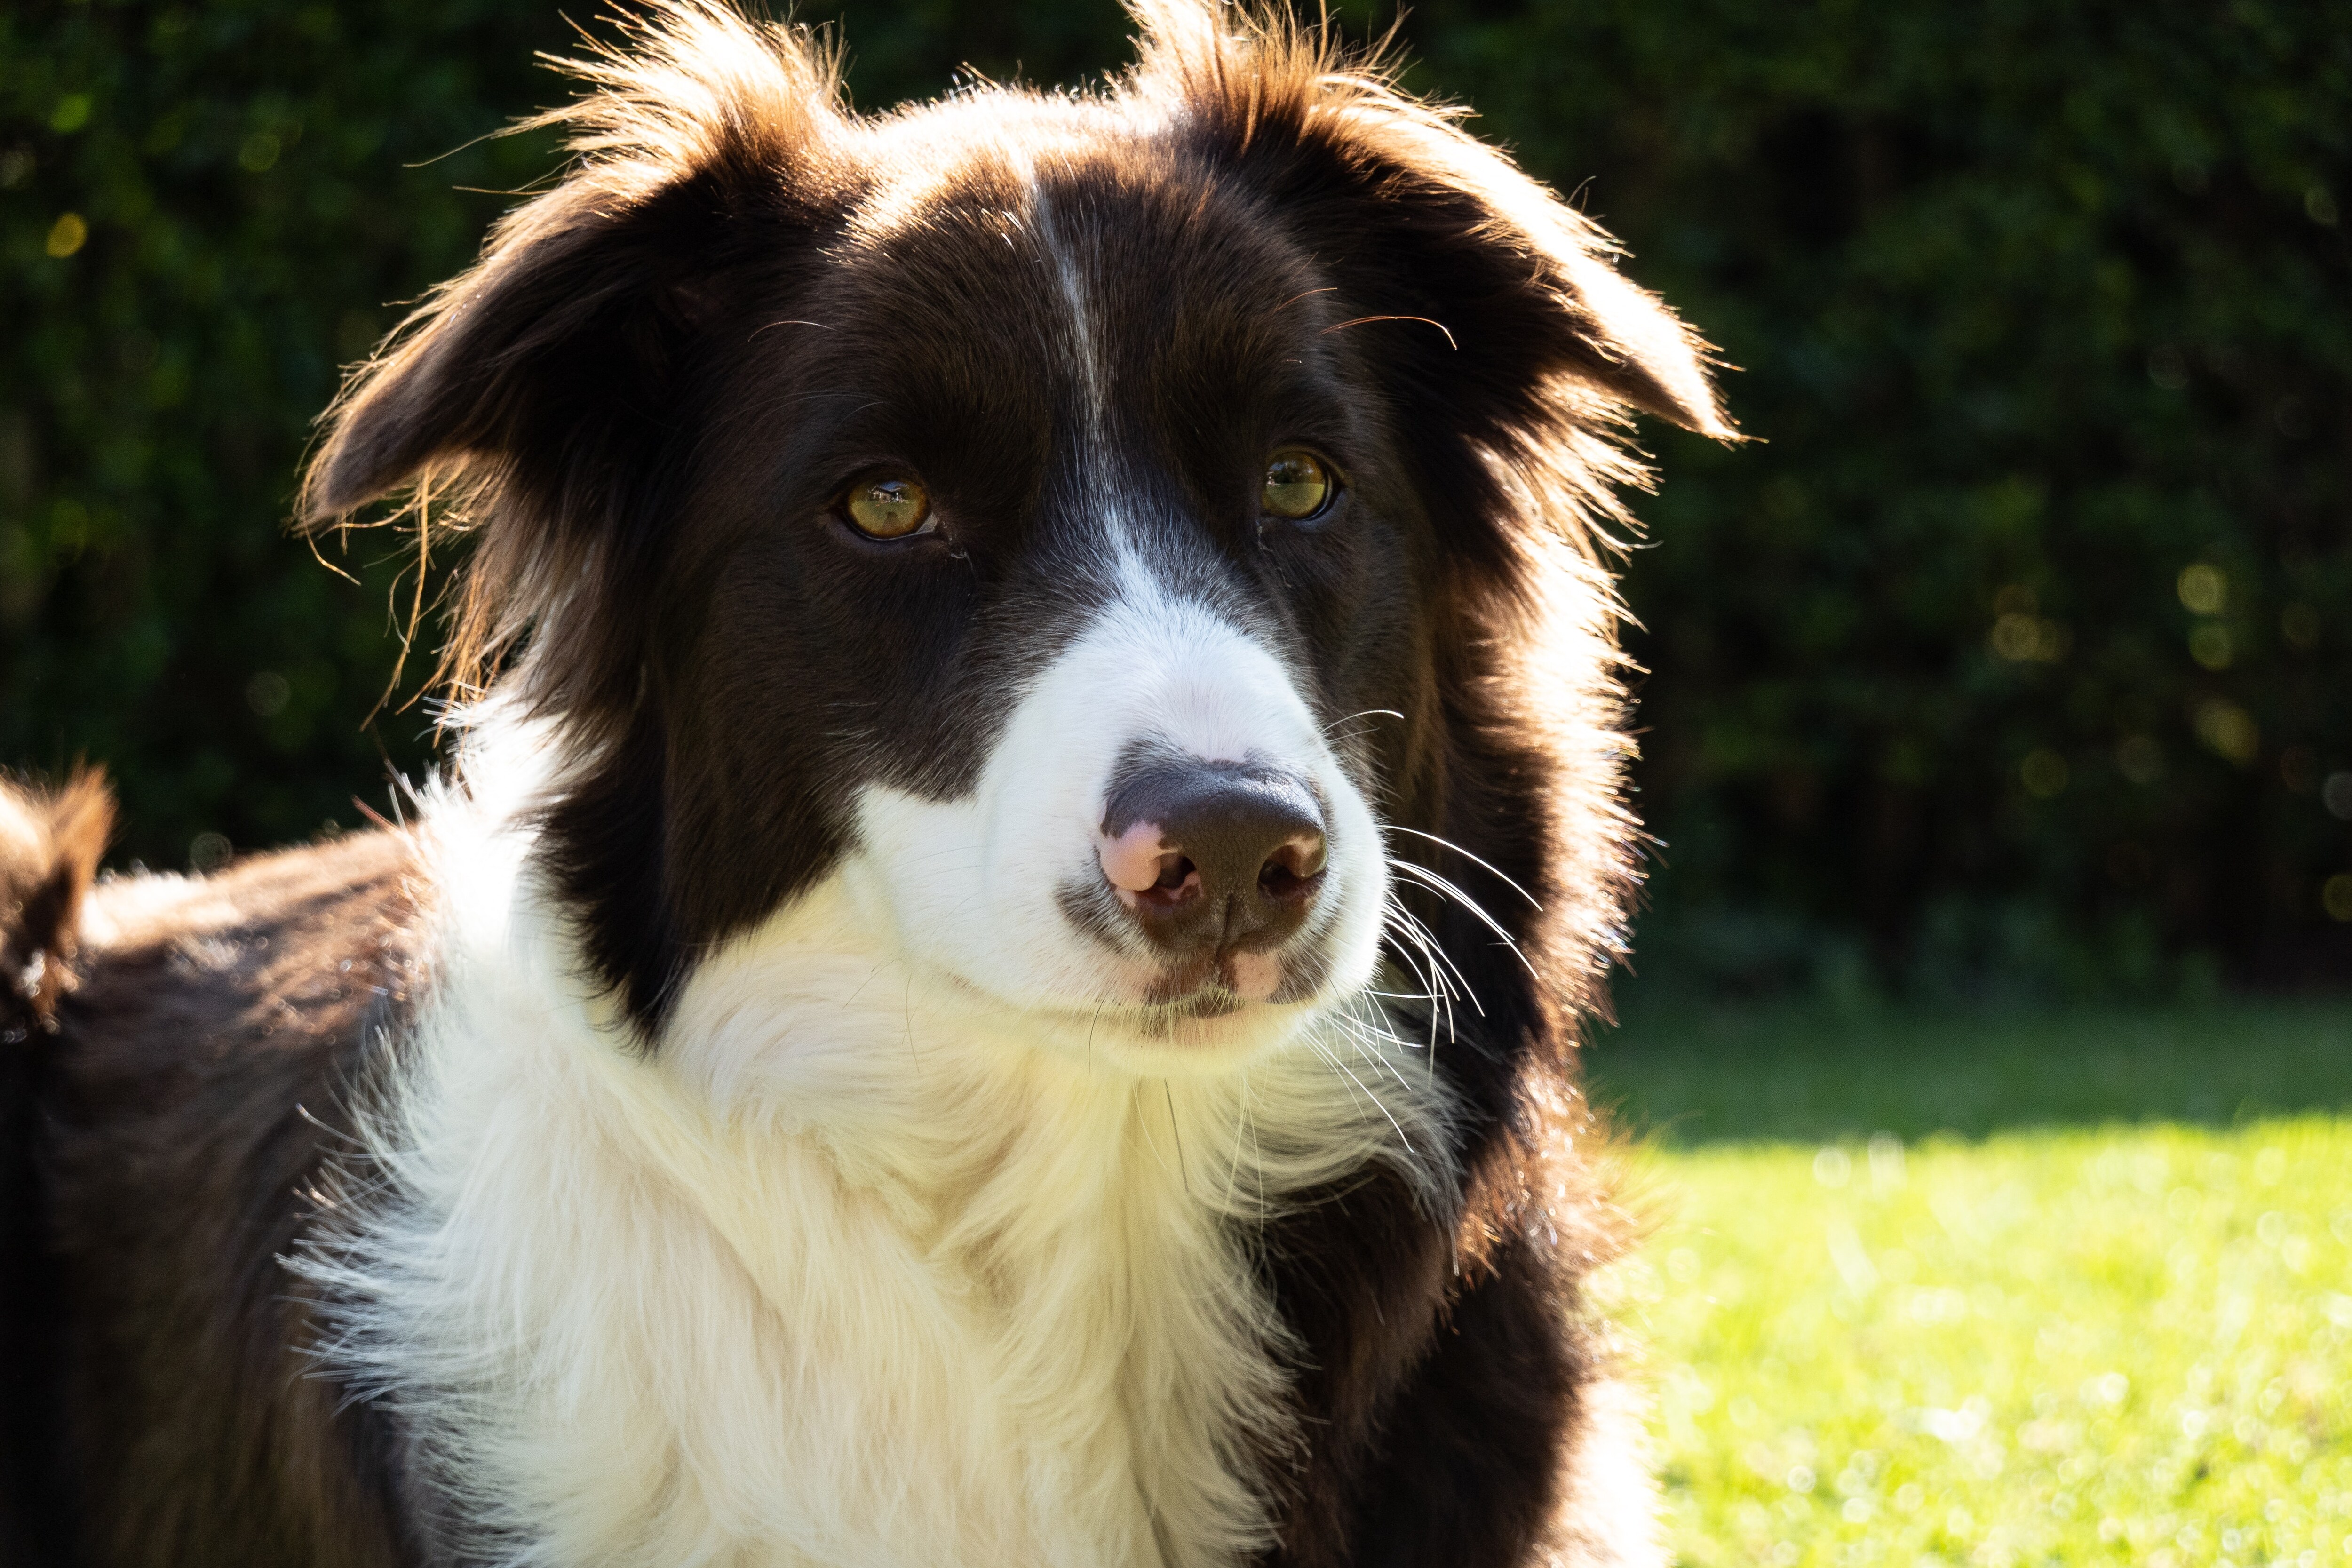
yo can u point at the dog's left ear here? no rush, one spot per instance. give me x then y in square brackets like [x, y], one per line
[543, 384]
[1500, 300]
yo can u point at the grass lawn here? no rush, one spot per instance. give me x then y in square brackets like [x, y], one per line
[2070, 1289]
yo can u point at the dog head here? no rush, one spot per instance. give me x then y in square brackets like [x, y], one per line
[1087, 527]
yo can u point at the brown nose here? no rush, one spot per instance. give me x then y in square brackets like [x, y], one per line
[1213, 857]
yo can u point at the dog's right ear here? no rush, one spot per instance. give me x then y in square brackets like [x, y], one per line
[539, 382]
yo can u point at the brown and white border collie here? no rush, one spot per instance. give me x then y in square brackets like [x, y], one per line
[993, 982]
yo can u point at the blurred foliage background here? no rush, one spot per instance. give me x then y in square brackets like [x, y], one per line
[2015, 661]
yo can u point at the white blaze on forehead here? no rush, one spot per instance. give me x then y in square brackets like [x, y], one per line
[907, 203]
[1075, 298]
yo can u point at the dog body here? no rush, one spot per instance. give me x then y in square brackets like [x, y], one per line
[994, 982]
[851, 1268]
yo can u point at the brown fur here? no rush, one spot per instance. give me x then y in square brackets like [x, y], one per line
[192, 1102]
[49, 849]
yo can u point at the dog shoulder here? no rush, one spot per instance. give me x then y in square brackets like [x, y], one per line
[204, 1073]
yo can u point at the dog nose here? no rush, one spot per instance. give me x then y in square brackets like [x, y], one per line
[1213, 857]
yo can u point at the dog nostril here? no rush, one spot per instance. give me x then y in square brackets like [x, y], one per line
[1293, 869]
[1178, 882]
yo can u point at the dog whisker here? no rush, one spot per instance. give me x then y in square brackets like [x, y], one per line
[1436, 883]
[1441, 1004]
[1363, 713]
[1442, 962]
[1479, 862]
[1381, 1106]
[1440, 998]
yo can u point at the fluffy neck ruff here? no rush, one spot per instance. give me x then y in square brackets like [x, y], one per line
[839, 1273]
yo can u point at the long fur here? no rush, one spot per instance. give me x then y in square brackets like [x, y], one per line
[838, 1272]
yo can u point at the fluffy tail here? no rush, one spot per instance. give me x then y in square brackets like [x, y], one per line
[49, 845]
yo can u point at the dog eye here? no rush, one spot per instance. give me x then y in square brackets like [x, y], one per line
[1298, 484]
[888, 507]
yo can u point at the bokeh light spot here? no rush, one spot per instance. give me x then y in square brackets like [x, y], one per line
[2203, 589]
[66, 235]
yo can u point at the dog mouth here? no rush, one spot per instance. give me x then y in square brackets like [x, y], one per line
[1230, 989]
[1217, 986]
[1171, 1009]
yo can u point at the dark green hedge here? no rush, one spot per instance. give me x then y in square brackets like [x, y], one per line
[2024, 646]
[203, 210]
[2019, 652]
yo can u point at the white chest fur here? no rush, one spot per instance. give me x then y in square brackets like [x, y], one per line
[840, 1276]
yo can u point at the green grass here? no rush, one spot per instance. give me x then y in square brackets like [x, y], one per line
[1998, 1292]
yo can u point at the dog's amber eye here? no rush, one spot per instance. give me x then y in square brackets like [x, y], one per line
[1298, 485]
[888, 508]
